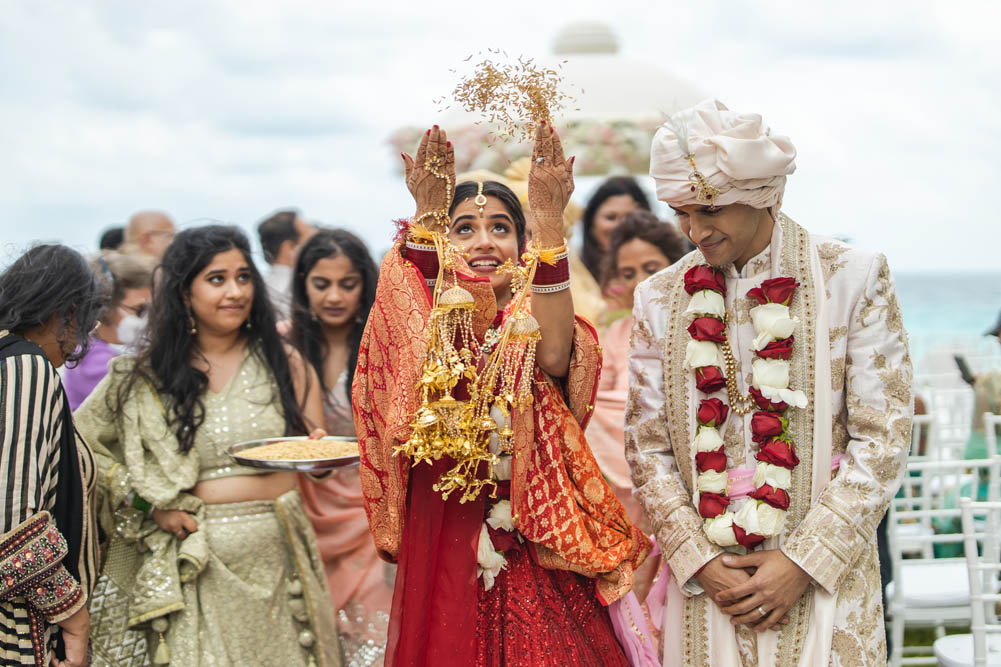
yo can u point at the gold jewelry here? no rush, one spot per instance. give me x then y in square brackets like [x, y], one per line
[705, 191]
[547, 255]
[739, 403]
[433, 164]
[192, 325]
[480, 199]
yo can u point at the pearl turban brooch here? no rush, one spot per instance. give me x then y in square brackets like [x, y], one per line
[709, 154]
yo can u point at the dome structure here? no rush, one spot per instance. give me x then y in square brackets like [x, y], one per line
[619, 102]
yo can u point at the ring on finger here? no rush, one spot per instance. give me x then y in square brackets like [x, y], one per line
[539, 160]
[762, 612]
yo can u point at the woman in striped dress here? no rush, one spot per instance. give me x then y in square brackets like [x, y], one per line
[49, 302]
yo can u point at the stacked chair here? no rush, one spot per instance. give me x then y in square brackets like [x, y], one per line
[982, 546]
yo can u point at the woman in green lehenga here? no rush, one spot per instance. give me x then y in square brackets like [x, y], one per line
[208, 563]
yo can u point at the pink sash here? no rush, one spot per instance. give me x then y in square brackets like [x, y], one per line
[628, 618]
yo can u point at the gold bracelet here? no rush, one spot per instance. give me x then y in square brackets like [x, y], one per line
[548, 255]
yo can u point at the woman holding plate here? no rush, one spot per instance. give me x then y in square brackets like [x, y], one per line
[508, 540]
[206, 557]
[333, 287]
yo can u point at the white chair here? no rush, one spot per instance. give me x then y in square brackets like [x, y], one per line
[983, 646]
[928, 591]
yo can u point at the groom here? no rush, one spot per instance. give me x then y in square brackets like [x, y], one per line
[769, 410]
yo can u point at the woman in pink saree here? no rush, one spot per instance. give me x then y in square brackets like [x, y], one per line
[333, 288]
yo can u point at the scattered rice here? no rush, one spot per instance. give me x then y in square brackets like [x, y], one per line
[301, 450]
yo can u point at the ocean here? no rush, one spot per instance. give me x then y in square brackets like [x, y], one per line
[947, 313]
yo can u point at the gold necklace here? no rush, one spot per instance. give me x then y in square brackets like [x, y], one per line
[739, 403]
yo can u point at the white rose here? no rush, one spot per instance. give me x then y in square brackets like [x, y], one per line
[794, 398]
[489, 561]
[702, 353]
[747, 517]
[502, 469]
[711, 481]
[500, 516]
[706, 303]
[772, 322]
[770, 520]
[774, 476]
[719, 530]
[773, 373]
[707, 439]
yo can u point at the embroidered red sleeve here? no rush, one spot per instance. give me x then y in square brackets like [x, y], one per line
[31, 566]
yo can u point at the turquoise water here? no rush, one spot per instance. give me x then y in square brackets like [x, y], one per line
[949, 309]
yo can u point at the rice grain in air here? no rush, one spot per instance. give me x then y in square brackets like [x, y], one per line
[301, 450]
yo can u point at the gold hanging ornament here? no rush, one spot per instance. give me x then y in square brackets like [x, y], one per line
[498, 376]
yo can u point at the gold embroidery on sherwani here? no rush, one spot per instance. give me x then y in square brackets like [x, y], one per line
[837, 333]
[795, 261]
[837, 373]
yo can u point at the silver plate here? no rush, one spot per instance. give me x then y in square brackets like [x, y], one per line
[298, 465]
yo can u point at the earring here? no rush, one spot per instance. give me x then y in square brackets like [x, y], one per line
[247, 325]
[312, 315]
[192, 325]
[359, 319]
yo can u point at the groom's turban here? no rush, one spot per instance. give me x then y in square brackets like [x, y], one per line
[739, 159]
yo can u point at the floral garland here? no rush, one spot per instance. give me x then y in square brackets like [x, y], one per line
[763, 515]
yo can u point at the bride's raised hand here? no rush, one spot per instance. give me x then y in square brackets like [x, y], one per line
[550, 184]
[431, 175]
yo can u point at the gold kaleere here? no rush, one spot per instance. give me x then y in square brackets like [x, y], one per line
[461, 430]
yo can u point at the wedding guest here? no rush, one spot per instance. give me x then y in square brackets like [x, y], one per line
[129, 279]
[333, 287]
[987, 398]
[281, 235]
[112, 238]
[49, 301]
[614, 198]
[149, 233]
[209, 562]
[639, 247]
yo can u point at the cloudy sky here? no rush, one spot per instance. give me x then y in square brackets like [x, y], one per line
[226, 110]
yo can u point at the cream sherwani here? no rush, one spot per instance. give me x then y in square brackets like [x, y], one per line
[850, 358]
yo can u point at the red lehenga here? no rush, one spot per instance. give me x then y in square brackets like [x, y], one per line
[574, 550]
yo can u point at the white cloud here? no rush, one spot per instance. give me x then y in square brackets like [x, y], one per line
[226, 110]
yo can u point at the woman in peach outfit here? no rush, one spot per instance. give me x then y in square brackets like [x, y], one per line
[333, 288]
[639, 247]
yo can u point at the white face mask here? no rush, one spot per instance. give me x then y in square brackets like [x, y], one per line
[129, 329]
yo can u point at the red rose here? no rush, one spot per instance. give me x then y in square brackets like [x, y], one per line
[716, 460]
[747, 540]
[712, 412]
[776, 290]
[778, 453]
[709, 379]
[705, 277]
[709, 329]
[765, 404]
[777, 498]
[712, 505]
[765, 425]
[777, 349]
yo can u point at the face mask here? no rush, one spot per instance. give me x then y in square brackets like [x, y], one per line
[129, 329]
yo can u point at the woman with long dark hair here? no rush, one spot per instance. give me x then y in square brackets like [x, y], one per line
[615, 198]
[209, 562]
[470, 400]
[333, 287]
[49, 302]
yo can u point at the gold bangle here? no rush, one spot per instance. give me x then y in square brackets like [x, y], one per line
[549, 255]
